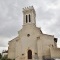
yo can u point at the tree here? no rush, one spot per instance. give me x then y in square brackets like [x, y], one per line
[0, 56]
[4, 57]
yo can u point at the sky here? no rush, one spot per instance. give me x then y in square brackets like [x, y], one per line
[11, 18]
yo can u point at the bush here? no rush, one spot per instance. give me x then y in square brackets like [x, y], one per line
[5, 58]
[0, 56]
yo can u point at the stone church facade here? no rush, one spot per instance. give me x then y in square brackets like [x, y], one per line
[31, 43]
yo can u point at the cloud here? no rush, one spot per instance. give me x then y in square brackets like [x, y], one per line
[3, 41]
[3, 48]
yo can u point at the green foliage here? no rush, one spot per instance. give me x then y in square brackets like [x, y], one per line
[5, 57]
[0, 56]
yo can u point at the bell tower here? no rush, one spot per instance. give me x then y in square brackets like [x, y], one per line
[29, 15]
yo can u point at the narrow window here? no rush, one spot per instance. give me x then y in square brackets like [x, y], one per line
[26, 18]
[29, 18]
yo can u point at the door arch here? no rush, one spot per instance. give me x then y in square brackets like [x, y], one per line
[29, 54]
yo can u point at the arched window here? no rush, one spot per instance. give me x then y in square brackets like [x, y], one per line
[29, 54]
[26, 19]
[29, 18]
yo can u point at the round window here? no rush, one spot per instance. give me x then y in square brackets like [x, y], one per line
[28, 35]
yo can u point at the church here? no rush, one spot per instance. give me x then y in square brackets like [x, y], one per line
[31, 43]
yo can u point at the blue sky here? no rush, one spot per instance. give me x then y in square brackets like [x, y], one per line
[11, 18]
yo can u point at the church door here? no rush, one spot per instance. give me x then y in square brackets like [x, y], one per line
[29, 54]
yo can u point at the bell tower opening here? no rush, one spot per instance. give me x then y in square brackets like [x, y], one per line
[29, 54]
[26, 19]
[29, 18]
